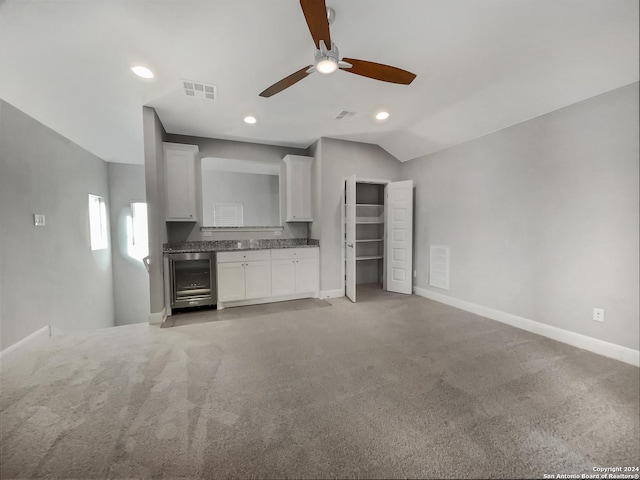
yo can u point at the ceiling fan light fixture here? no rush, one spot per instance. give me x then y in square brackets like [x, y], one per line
[327, 65]
[141, 71]
[250, 120]
[382, 115]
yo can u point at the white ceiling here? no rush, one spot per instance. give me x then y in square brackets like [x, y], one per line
[481, 66]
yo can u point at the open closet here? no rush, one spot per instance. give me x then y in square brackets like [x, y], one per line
[378, 234]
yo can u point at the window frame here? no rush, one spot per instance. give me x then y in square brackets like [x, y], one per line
[98, 223]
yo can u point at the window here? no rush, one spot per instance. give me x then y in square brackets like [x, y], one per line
[227, 215]
[137, 234]
[98, 223]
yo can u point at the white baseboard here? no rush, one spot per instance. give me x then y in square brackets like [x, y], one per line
[158, 317]
[261, 301]
[338, 292]
[44, 332]
[611, 350]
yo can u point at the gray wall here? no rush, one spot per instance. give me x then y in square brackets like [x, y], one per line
[130, 278]
[542, 217]
[259, 194]
[336, 160]
[154, 135]
[49, 275]
[212, 147]
[315, 228]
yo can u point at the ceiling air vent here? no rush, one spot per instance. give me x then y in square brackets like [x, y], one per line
[346, 115]
[199, 90]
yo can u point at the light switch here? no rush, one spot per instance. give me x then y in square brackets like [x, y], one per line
[38, 220]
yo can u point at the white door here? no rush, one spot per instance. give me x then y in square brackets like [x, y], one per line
[230, 281]
[399, 236]
[258, 279]
[283, 277]
[350, 229]
[306, 275]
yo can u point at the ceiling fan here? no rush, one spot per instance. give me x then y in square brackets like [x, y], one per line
[327, 60]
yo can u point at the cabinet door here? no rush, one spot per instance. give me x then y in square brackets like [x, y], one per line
[180, 183]
[231, 282]
[257, 279]
[283, 277]
[298, 174]
[306, 275]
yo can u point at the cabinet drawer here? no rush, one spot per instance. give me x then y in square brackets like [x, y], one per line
[293, 253]
[248, 255]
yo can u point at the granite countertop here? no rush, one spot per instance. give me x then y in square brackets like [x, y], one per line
[232, 245]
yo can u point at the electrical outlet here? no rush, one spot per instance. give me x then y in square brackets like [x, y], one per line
[277, 233]
[38, 220]
[415, 274]
[598, 314]
[207, 234]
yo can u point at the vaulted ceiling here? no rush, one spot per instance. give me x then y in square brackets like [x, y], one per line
[481, 66]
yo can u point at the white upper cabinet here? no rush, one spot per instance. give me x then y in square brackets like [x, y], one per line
[298, 188]
[180, 182]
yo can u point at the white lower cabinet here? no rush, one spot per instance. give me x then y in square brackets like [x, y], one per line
[231, 282]
[257, 277]
[243, 275]
[267, 275]
[283, 277]
[307, 275]
[294, 271]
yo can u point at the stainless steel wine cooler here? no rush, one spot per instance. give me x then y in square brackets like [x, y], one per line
[193, 279]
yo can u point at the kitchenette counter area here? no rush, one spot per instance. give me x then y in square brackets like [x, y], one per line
[229, 273]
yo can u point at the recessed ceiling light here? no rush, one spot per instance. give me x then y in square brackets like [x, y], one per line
[382, 115]
[141, 71]
[250, 119]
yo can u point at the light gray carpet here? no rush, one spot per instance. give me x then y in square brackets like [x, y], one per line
[390, 387]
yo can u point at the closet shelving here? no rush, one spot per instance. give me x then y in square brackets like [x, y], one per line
[370, 229]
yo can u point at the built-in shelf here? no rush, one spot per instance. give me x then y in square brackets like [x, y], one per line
[369, 205]
[371, 240]
[369, 257]
[367, 222]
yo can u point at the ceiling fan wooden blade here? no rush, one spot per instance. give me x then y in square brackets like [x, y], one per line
[378, 71]
[286, 82]
[315, 13]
